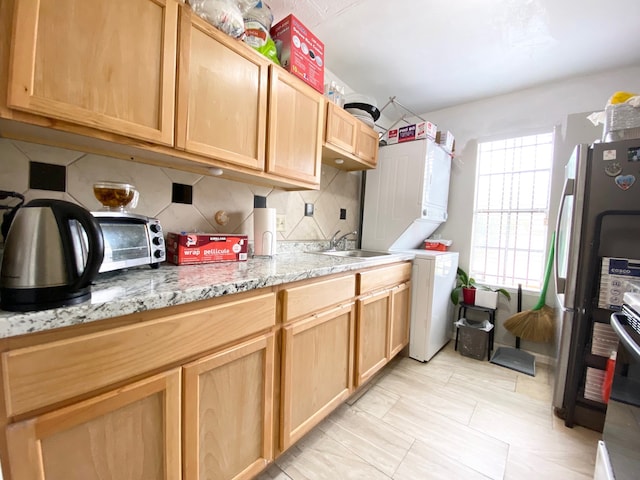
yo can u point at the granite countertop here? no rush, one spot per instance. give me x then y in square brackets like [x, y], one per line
[139, 289]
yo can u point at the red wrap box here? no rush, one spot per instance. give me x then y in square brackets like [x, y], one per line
[193, 248]
[301, 53]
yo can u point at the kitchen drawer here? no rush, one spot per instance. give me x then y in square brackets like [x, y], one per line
[42, 375]
[316, 296]
[383, 277]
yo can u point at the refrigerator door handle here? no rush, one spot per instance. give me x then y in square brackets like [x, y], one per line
[566, 192]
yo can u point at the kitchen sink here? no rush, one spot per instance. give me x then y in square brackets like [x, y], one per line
[354, 253]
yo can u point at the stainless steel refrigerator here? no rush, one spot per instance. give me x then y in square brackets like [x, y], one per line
[598, 237]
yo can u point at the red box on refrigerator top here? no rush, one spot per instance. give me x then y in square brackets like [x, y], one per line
[301, 53]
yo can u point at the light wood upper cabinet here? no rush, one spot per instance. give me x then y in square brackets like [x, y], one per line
[349, 140]
[296, 113]
[131, 432]
[222, 95]
[109, 65]
[342, 128]
[228, 425]
[367, 144]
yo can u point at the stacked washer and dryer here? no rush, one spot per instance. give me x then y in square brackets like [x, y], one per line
[405, 200]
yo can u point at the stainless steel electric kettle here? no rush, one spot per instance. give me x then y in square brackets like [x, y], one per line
[52, 253]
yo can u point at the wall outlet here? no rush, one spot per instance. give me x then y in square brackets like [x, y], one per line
[281, 223]
[343, 214]
[308, 209]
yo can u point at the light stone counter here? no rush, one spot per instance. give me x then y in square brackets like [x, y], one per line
[139, 289]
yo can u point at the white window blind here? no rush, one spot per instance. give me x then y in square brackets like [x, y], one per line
[511, 211]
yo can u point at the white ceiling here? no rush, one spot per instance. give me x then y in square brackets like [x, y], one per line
[432, 54]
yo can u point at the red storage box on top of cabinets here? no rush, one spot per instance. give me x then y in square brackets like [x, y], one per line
[301, 53]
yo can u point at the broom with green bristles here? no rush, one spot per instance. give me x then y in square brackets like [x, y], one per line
[536, 324]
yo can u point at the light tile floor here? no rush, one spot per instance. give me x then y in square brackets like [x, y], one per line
[451, 418]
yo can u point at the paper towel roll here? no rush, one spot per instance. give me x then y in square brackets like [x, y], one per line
[264, 231]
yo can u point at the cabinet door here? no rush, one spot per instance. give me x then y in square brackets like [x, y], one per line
[130, 433]
[367, 144]
[222, 95]
[372, 334]
[342, 128]
[228, 422]
[317, 362]
[108, 65]
[296, 113]
[400, 318]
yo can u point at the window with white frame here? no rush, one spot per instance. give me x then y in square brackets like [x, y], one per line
[510, 217]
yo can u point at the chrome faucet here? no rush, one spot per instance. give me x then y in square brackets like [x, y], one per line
[334, 242]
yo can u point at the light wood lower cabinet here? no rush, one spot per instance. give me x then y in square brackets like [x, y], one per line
[228, 425]
[76, 405]
[372, 339]
[383, 317]
[400, 318]
[317, 370]
[132, 432]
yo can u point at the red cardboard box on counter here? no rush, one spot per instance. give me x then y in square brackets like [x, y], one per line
[193, 248]
[302, 54]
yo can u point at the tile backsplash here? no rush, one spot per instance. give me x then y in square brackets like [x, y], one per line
[339, 190]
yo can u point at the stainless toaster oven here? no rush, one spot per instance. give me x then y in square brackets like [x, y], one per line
[130, 240]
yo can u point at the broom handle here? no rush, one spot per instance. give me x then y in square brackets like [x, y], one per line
[547, 275]
[519, 310]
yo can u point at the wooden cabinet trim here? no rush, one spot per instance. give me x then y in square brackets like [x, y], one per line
[45, 374]
[316, 319]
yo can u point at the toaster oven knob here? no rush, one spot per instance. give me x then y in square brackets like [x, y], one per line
[155, 228]
[157, 240]
[157, 254]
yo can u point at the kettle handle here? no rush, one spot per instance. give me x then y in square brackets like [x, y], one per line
[65, 211]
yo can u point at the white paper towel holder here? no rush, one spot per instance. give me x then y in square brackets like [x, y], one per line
[264, 229]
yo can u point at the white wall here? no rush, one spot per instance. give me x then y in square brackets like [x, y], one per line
[528, 111]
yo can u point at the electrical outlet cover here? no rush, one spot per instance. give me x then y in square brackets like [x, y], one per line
[281, 223]
[308, 209]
